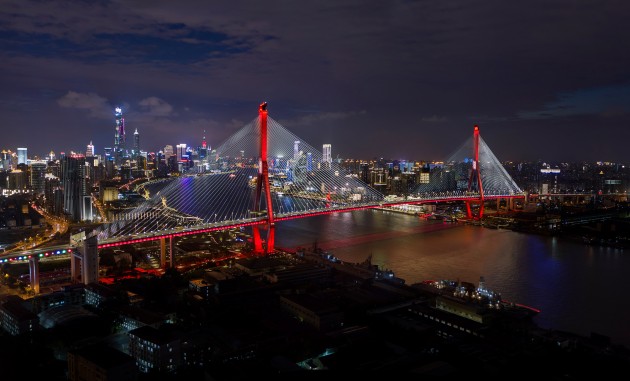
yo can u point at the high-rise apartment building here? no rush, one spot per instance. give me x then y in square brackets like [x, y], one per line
[53, 194]
[38, 176]
[17, 180]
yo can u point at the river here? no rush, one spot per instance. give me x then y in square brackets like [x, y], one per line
[578, 288]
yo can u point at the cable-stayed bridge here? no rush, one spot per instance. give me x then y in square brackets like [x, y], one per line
[265, 174]
[265, 164]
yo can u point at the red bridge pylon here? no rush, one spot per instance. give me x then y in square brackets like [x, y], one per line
[475, 179]
[262, 185]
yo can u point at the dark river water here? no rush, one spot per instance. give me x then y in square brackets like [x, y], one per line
[578, 288]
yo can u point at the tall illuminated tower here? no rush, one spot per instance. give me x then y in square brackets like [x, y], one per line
[181, 151]
[74, 185]
[296, 150]
[89, 152]
[203, 150]
[327, 155]
[119, 135]
[136, 143]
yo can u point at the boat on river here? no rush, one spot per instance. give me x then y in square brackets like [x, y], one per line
[479, 294]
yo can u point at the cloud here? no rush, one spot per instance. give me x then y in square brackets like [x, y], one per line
[96, 105]
[311, 119]
[604, 101]
[155, 106]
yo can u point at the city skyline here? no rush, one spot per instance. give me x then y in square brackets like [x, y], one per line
[398, 80]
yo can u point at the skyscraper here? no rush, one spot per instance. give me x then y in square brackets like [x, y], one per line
[5, 159]
[327, 155]
[119, 136]
[53, 194]
[38, 176]
[21, 156]
[168, 151]
[203, 150]
[296, 150]
[136, 143]
[181, 151]
[74, 186]
[90, 150]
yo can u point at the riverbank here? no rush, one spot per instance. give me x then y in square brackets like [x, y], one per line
[608, 232]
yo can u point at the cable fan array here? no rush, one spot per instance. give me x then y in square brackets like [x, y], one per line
[301, 180]
[452, 177]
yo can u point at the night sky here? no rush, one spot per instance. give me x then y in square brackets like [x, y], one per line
[544, 80]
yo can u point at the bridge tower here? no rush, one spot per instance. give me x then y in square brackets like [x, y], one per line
[475, 179]
[262, 186]
[84, 259]
[33, 270]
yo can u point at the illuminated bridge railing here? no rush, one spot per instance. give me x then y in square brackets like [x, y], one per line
[41, 253]
[436, 197]
[336, 207]
[333, 208]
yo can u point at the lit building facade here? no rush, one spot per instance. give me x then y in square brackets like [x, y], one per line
[17, 180]
[89, 152]
[15, 318]
[181, 151]
[327, 155]
[22, 156]
[74, 185]
[119, 136]
[154, 349]
[136, 144]
[38, 177]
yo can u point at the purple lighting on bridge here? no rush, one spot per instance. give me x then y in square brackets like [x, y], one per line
[40, 255]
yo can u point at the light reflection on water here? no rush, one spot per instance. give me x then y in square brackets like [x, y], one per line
[578, 288]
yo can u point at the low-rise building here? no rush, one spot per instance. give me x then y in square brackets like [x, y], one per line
[155, 349]
[15, 318]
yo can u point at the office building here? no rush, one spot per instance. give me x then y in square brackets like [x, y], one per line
[15, 318]
[73, 184]
[89, 152]
[17, 180]
[168, 152]
[327, 156]
[136, 144]
[21, 156]
[154, 350]
[119, 136]
[181, 151]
